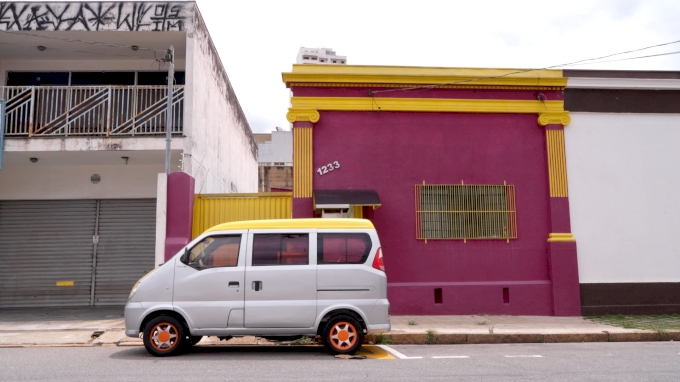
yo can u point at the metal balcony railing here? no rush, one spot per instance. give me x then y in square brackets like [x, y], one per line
[91, 110]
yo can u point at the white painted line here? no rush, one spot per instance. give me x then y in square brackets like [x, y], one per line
[523, 356]
[396, 353]
[453, 356]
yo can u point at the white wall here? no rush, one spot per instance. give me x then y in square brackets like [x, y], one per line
[279, 149]
[44, 181]
[624, 193]
[222, 156]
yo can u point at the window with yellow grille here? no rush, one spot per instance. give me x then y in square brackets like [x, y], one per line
[465, 211]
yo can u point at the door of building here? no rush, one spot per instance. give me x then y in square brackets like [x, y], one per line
[74, 252]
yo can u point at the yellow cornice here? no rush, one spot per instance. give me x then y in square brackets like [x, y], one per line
[561, 237]
[414, 76]
[357, 85]
[421, 105]
[554, 118]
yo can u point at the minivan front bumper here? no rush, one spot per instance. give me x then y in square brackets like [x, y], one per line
[133, 318]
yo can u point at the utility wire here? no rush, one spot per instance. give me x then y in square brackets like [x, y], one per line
[629, 58]
[427, 87]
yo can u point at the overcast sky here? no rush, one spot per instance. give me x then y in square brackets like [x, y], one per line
[257, 40]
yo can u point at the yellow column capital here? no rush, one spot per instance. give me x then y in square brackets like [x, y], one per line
[554, 118]
[303, 115]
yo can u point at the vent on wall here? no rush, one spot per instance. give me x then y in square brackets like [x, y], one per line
[438, 298]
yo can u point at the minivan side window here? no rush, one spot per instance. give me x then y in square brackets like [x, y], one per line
[214, 251]
[343, 248]
[280, 249]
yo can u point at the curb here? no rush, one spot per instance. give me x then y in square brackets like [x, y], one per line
[441, 339]
[521, 338]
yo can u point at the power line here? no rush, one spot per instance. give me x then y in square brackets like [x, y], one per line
[629, 58]
[579, 62]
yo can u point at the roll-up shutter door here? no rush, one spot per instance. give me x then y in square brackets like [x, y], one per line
[46, 252]
[126, 248]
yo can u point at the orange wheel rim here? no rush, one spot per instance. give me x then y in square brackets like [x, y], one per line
[164, 336]
[343, 335]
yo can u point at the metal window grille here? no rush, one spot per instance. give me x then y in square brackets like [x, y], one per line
[462, 211]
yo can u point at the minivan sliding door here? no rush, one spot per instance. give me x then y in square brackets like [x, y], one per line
[280, 280]
[209, 281]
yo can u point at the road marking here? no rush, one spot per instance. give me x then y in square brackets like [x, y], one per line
[523, 356]
[453, 356]
[396, 353]
[371, 351]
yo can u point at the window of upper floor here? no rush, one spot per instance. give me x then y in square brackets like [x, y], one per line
[92, 78]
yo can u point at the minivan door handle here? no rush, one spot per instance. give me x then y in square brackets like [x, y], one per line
[257, 286]
[233, 284]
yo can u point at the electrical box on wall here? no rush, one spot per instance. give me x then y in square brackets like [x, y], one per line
[330, 213]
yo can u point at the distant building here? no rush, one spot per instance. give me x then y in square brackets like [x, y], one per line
[275, 159]
[323, 56]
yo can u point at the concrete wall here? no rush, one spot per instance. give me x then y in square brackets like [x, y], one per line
[275, 177]
[45, 181]
[279, 149]
[623, 189]
[96, 16]
[223, 154]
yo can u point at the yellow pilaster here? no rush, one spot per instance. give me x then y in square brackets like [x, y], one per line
[302, 162]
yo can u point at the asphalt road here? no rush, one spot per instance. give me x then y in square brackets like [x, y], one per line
[522, 362]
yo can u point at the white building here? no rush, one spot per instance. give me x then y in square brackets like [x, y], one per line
[323, 56]
[622, 163]
[275, 159]
[85, 142]
[275, 148]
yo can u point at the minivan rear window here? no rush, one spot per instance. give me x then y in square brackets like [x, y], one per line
[280, 249]
[343, 248]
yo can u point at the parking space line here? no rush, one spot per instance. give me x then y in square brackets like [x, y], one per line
[396, 353]
[523, 356]
[372, 351]
[452, 356]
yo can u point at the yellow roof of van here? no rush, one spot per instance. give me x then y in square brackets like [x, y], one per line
[293, 224]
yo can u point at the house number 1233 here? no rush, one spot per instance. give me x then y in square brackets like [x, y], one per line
[328, 168]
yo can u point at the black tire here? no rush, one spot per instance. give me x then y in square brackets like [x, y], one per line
[193, 340]
[164, 336]
[343, 334]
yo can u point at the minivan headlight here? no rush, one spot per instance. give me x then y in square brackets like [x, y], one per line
[134, 288]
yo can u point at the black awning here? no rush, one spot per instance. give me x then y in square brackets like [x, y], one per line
[345, 198]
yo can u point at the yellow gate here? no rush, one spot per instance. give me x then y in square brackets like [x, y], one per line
[213, 209]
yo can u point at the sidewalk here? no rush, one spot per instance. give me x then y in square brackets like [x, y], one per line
[104, 326]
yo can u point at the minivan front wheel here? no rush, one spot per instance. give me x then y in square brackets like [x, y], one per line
[164, 336]
[343, 334]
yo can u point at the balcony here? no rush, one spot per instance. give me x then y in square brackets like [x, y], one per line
[96, 111]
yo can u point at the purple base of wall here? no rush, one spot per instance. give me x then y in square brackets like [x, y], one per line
[564, 275]
[303, 208]
[523, 298]
[180, 212]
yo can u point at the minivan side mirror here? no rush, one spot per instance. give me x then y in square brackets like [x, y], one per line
[185, 257]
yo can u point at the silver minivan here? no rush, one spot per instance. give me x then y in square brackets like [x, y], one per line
[268, 278]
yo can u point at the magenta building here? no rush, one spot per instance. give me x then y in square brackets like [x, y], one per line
[462, 171]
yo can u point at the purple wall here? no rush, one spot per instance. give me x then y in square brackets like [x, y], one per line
[391, 152]
[180, 212]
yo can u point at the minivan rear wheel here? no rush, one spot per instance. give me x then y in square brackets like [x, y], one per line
[164, 336]
[343, 334]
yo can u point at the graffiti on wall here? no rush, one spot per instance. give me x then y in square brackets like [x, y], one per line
[122, 16]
